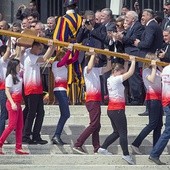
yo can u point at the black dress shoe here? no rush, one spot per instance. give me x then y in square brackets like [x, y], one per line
[57, 141]
[39, 141]
[146, 113]
[26, 141]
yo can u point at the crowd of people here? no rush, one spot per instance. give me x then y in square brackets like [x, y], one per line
[122, 82]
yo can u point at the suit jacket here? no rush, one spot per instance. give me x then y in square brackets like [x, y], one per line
[165, 23]
[49, 33]
[133, 33]
[151, 39]
[166, 47]
[110, 26]
[95, 38]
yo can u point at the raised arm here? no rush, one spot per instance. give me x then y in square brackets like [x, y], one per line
[8, 50]
[64, 59]
[74, 58]
[66, 56]
[152, 76]
[131, 69]
[91, 61]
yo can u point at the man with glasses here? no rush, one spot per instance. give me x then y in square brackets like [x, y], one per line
[166, 21]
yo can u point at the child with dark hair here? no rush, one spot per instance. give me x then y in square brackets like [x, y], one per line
[4, 55]
[33, 91]
[13, 90]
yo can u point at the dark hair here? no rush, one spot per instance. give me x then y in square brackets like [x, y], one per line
[11, 69]
[33, 2]
[16, 24]
[34, 14]
[35, 43]
[3, 49]
[158, 19]
[117, 67]
[125, 6]
[73, 6]
[87, 59]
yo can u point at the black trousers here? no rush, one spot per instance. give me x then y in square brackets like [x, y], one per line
[35, 111]
[119, 124]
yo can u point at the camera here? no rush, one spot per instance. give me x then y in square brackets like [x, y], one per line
[158, 51]
[87, 22]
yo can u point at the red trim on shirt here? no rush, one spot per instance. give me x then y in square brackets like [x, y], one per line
[61, 84]
[165, 101]
[2, 85]
[93, 97]
[33, 89]
[116, 104]
[153, 96]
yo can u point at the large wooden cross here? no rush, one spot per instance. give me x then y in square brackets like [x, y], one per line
[32, 37]
[78, 47]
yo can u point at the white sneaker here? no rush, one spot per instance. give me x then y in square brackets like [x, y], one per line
[136, 150]
[128, 159]
[104, 151]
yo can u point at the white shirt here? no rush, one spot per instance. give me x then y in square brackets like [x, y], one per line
[92, 82]
[32, 77]
[153, 90]
[166, 86]
[15, 89]
[3, 69]
[60, 76]
[116, 93]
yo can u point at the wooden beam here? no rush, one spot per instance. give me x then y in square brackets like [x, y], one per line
[79, 47]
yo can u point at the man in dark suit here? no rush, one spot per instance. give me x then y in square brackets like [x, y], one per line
[152, 37]
[51, 24]
[107, 21]
[164, 53]
[166, 20]
[134, 31]
[91, 34]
